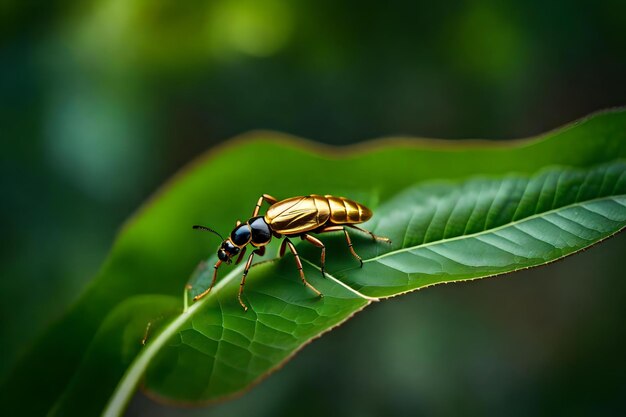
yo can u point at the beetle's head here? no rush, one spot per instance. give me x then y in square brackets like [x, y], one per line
[227, 250]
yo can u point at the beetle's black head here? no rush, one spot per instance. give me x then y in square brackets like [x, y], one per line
[227, 250]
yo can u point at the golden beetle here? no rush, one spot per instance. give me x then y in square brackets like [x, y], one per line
[293, 217]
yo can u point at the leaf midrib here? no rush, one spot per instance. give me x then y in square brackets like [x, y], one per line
[492, 230]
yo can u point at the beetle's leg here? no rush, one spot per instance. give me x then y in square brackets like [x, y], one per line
[375, 237]
[260, 251]
[283, 246]
[146, 333]
[208, 290]
[266, 197]
[240, 257]
[345, 232]
[243, 280]
[299, 265]
[319, 244]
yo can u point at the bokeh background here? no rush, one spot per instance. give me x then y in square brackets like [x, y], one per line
[102, 100]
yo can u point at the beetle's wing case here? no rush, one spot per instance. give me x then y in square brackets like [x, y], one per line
[345, 211]
[298, 214]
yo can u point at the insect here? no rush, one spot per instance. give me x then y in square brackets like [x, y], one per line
[293, 217]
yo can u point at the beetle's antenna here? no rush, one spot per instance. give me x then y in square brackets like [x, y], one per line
[208, 229]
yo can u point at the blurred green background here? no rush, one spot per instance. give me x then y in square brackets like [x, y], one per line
[102, 100]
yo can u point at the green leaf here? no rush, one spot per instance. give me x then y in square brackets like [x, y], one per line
[454, 212]
[444, 232]
[484, 227]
